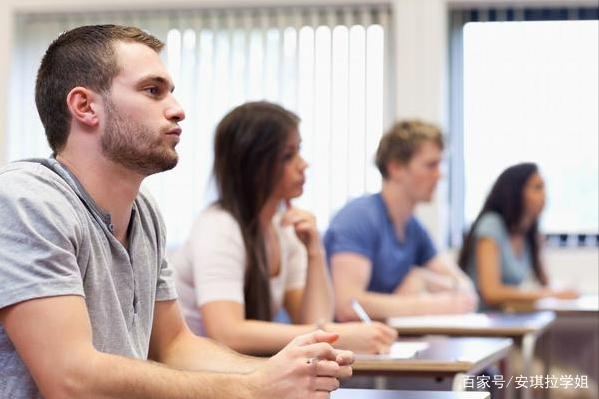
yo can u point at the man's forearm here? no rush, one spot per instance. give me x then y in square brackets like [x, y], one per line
[110, 376]
[382, 306]
[203, 354]
[448, 268]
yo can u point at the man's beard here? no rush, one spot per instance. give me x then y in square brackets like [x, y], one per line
[134, 146]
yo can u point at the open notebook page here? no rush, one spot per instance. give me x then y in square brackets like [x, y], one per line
[399, 350]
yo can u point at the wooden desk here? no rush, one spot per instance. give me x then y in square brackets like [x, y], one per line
[514, 325]
[384, 394]
[445, 357]
[524, 328]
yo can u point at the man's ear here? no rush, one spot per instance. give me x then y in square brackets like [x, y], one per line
[395, 169]
[83, 105]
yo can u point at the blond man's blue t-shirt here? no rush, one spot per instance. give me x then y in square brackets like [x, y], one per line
[363, 226]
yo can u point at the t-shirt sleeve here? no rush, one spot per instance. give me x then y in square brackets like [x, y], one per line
[426, 247]
[218, 258]
[38, 239]
[297, 260]
[351, 230]
[491, 226]
[165, 286]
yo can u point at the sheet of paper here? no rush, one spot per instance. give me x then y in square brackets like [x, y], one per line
[452, 321]
[585, 303]
[399, 350]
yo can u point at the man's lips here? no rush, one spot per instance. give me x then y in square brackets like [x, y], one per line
[175, 131]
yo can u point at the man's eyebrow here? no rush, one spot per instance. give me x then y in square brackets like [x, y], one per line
[159, 80]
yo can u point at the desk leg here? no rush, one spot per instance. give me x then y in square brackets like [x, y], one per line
[380, 382]
[528, 356]
[459, 382]
[504, 369]
[546, 357]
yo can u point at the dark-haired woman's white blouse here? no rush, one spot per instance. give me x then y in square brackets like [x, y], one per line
[211, 265]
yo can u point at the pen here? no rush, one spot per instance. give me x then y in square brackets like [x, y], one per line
[360, 311]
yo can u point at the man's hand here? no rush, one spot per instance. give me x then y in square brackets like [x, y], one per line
[459, 302]
[307, 368]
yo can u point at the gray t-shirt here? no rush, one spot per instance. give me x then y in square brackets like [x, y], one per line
[54, 240]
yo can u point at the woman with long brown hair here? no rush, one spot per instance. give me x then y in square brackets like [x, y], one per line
[252, 253]
[502, 250]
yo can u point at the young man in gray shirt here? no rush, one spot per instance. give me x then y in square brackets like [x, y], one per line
[86, 296]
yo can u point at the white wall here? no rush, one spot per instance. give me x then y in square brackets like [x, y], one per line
[421, 58]
[576, 267]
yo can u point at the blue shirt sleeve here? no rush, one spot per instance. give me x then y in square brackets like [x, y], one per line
[426, 249]
[351, 230]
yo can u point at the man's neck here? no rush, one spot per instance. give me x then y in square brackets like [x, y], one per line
[112, 187]
[399, 205]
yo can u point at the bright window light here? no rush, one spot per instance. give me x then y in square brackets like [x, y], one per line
[531, 94]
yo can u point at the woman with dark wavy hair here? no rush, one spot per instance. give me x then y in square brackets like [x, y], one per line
[501, 252]
[252, 253]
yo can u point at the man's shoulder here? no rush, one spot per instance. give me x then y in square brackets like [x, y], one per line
[149, 213]
[33, 197]
[33, 181]
[20, 169]
[416, 223]
[147, 200]
[417, 231]
[363, 209]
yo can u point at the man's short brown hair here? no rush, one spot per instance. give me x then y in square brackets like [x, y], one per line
[83, 56]
[403, 140]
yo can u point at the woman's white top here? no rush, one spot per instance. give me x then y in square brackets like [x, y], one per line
[211, 265]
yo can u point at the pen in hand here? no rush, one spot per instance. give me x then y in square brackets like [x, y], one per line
[360, 311]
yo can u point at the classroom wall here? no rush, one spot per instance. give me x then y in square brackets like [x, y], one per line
[577, 267]
[420, 41]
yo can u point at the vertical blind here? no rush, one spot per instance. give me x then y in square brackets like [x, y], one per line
[330, 65]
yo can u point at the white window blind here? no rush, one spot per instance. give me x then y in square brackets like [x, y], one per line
[328, 64]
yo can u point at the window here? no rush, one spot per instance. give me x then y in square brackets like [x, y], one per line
[529, 92]
[329, 65]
